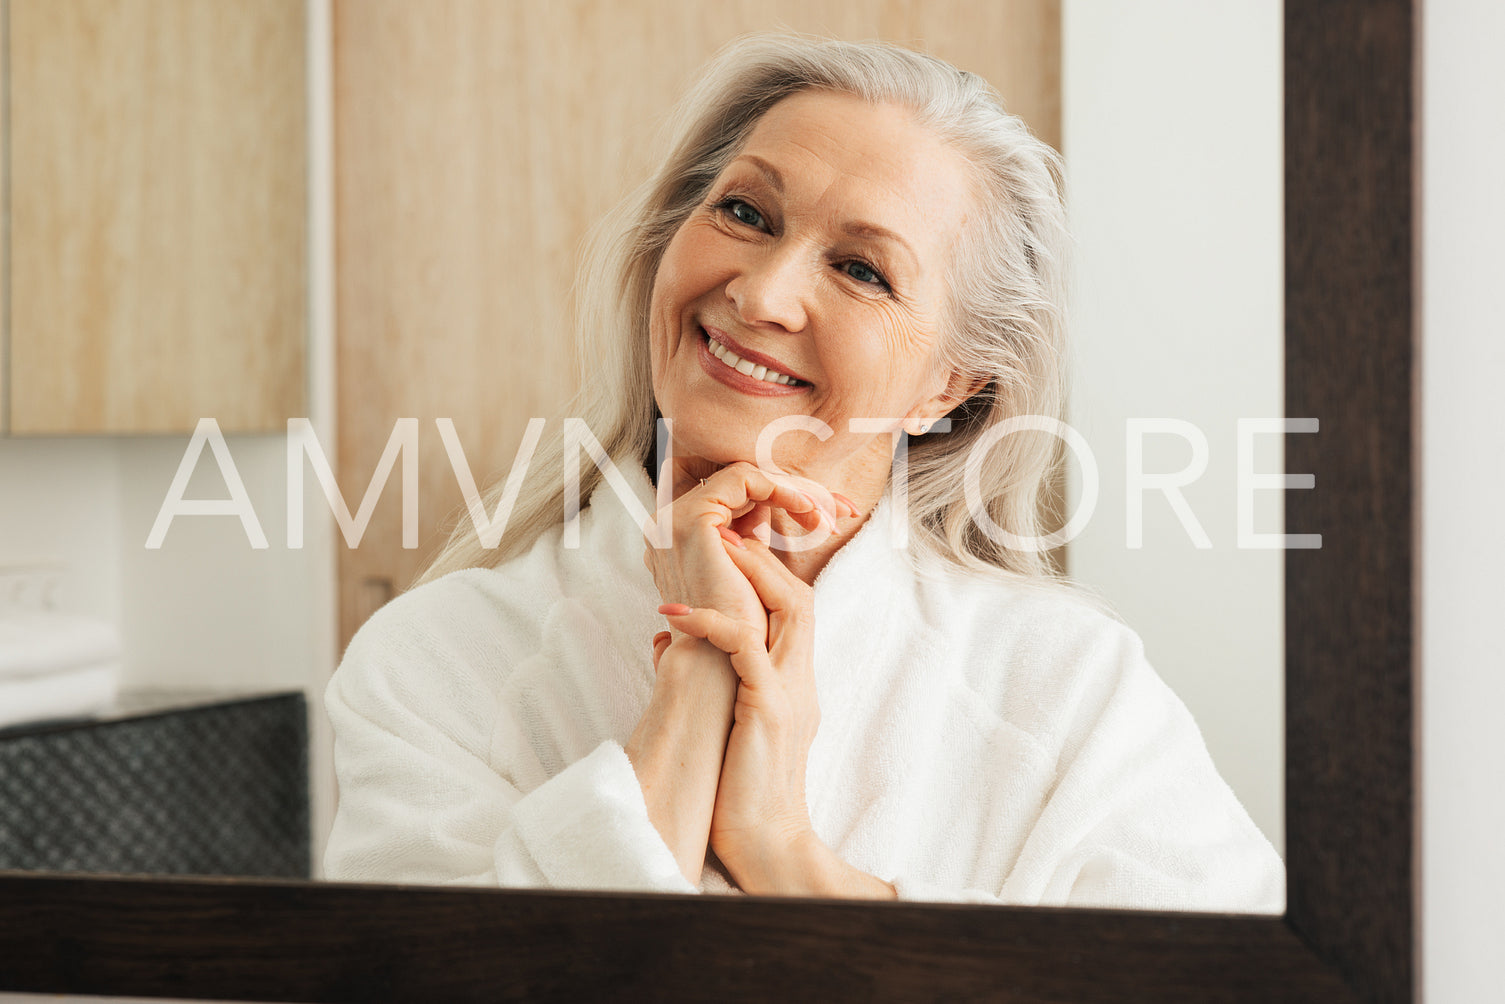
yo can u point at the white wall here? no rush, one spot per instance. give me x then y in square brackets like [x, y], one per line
[204, 610]
[1172, 138]
[205, 607]
[58, 506]
[1460, 487]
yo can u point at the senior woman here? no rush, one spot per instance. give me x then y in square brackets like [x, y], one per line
[807, 329]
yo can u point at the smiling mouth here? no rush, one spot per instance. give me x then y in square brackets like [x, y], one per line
[747, 367]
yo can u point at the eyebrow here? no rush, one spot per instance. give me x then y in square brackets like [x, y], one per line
[768, 171]
[855, 228]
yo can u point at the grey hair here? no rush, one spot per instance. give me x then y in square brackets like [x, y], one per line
[1005, 329]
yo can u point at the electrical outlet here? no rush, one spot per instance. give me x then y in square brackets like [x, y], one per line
[35, 585]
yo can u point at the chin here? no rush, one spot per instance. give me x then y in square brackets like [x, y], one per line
[720, 454]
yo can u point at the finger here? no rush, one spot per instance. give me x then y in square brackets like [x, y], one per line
[851, 507]
[827, 503]
[777, 587]
[737, 486]
[687, 472]
[737, 639]
[755, 524]
[783, 594]
[660, 643]
[742, 495]
[755, 519]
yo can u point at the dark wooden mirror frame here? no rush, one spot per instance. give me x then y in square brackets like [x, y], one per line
[1350, 214]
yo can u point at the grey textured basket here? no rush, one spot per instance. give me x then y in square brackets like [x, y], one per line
[211, 789]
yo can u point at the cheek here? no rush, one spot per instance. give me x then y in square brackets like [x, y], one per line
[668, 300]
[661, 331]
[688, 265]
[889, 367]
[910, 341]
[891, 347]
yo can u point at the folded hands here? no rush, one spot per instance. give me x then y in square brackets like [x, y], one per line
[722, 749]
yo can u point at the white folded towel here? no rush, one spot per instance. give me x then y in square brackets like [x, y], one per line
[37, 642]
[70, 693]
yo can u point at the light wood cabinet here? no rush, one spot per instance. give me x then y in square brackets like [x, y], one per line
[156, 180]
[476, 142]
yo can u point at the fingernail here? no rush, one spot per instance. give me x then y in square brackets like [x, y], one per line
[851, 506]
[673, 609]
[731, 535]
[809, 498]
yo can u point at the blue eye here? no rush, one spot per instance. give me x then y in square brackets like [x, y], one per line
[865, 273]
[744, 213]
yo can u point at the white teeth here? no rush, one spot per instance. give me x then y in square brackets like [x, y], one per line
[747, 366]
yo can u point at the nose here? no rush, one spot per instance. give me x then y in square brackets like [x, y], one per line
[772, 290]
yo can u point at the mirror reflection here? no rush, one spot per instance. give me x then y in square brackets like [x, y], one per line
[893, 699]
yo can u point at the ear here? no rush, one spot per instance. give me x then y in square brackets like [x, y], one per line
[959, 387]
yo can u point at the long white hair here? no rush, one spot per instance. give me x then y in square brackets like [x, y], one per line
[1005, 323]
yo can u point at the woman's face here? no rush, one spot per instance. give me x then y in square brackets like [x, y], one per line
[820, 257]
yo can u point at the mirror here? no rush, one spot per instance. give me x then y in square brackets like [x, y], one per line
[410, 118]
[1348, 78]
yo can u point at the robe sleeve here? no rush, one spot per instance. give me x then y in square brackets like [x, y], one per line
[414, 706]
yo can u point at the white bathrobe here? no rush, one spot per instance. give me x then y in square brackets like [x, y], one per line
[979, 740]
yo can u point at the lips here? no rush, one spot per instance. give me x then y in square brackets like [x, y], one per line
[712, 357]
[750, 356]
